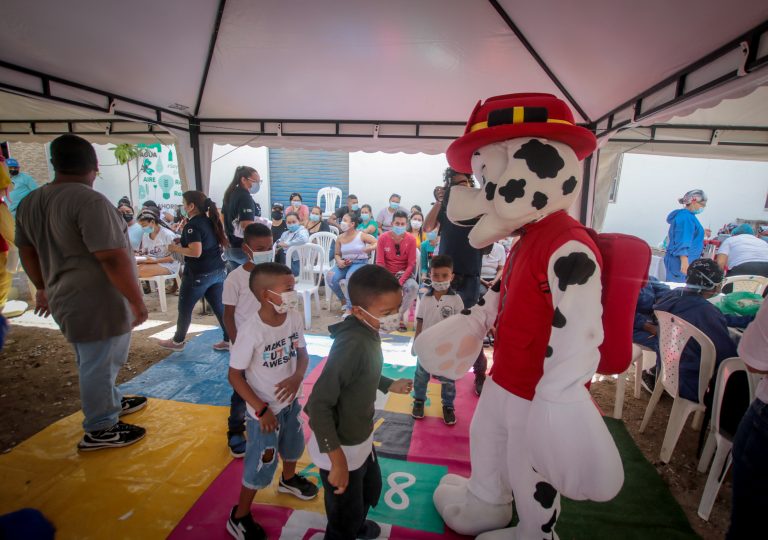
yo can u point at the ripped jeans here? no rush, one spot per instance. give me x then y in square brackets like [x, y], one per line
[262, 449]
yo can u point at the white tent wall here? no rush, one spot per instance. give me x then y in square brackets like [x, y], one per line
[226, 158]
[651, 184]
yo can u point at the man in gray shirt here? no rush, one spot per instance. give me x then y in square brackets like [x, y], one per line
[74, 247]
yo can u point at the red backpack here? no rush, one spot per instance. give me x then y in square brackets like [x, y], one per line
[626, 260]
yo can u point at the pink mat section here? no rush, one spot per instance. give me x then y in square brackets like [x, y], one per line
[434, 442]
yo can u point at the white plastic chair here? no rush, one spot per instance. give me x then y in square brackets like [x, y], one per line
[159, 282]
[674, 334]
[324, 240]
[334, 230]
[754, 284]
[640, 356]
[308, 282]
[719, 439]
[332, 199]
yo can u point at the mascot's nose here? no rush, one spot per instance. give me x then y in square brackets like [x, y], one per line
[467, 205]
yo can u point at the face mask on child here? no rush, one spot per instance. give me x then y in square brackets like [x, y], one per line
[388, 323]
[441, 285]
[290, 301]
[258, 257]
[432, 235]
[148, 229]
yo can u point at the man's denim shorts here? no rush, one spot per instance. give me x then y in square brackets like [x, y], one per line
[287, 440]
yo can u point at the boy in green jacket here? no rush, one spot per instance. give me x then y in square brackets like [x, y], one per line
[341, 406]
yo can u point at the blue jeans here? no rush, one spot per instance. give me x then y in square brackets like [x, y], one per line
[98, 363]
[234, 257]
[447, 387]
[193, 288]
[236, 420]
[287, 440]
[337, 274]
[750, 473]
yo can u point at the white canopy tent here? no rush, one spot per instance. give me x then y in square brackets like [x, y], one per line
[361, 75]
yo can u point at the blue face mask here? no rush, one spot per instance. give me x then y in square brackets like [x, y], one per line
[355, 207]
[394, 205]
[255, 188]
[148, 229]
[314, 217]
[398, 230]
[259, 257]
[697, 211]
[294, 227]
[365, 217]
[431, 235]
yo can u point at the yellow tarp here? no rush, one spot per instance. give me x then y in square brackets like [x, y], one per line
[141, 491]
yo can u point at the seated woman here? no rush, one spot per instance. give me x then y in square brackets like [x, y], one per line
[353, 249]
[154, 247]
[743, 254]
[316, 222]
[415, 228]
[367, 223]
[296, 235]
[298, 206]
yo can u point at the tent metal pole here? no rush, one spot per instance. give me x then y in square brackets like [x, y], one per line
[585, 187]
[539, 60]
[211, 47]
[194, 141]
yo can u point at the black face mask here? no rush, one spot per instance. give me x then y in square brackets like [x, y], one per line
[277, 215]
[128, 217]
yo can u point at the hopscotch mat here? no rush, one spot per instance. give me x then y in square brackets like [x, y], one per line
[180, 482]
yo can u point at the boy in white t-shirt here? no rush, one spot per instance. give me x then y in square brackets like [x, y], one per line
[439, 303]
[239, 305]
[266, 367]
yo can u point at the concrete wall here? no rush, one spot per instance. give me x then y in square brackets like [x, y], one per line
[650, 186]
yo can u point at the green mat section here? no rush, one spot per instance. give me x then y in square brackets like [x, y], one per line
[644, 509]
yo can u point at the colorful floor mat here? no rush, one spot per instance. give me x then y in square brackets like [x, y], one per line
[181, 483]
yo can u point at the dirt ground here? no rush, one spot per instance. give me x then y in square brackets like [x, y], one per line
[38, 385]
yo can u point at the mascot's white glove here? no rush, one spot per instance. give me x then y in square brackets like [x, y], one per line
[569, 443]
[450, 347]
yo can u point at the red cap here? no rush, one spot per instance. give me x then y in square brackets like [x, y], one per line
[511, 116]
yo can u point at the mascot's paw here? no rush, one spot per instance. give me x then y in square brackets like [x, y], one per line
[571, 447]
[464, 512]
[450, 347]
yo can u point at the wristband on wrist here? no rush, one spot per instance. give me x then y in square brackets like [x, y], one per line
[262, 411]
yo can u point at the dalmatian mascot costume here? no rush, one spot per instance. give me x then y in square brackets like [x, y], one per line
[536, 432]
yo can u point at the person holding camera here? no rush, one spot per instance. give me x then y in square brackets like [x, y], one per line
[467, 260]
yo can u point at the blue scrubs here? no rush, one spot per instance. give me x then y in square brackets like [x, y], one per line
[23, 185]
[686, 238]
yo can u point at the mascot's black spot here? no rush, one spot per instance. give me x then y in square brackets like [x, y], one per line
[513, 190]
[539, 200]
[549, 351]
[481, 301]
[547, 527]
[465, 312]
[558, 321]
[476, 154]
[574, 269]
[490, 190]
[569, 185]
[496, 286]
[545, 494]
[543, 159]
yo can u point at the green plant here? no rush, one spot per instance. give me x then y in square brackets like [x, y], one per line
[124, 154]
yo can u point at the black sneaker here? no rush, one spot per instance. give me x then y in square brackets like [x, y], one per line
[449, 416]
[479, 382]
[418, 409]
[117, 436]
[298, 486]
[648, 381]
[244, 528]
[132, 404]
[369, 530]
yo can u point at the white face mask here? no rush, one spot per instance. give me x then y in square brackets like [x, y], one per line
[441, 285]
[290, 301]
[344, 226]
[258, 257]
[415, 224]
[388, 323]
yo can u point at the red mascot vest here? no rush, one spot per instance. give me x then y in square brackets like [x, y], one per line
[524, 323]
